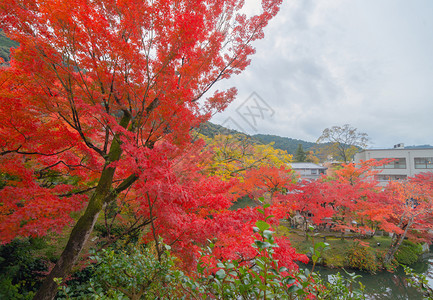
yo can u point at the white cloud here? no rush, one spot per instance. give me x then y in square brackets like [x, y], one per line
[325, 63]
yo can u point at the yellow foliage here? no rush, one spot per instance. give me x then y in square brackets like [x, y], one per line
[231, 155]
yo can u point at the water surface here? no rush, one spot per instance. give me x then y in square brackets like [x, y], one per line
[386, 285]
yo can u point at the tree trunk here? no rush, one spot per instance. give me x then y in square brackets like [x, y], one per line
[306, 228]
[392, 250]
[394, 246]
[84, 227]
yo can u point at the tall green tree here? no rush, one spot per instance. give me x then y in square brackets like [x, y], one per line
[300, 155]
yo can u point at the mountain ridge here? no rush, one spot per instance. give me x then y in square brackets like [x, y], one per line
[290, 145]
[283, 143]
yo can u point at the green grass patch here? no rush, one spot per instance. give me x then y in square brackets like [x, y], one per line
[337, 256]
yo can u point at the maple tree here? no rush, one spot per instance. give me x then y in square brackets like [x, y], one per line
[268, 182]
[350, 199]
[308, 199]
[425, 178]
[404, 208]
[95, 89]
[412, 204]
[359, 201]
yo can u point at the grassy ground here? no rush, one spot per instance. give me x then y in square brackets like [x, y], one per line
[336, 255]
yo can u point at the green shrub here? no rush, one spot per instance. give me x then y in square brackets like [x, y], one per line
[77, 287]
[419, 281]
[115, 230]
[408, 253]
[20, 271]
[134, 273]
[9, 290]
[139, 274]
[362, 258]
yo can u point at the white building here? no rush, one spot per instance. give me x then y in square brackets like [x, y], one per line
[408, 161]
[308, 170]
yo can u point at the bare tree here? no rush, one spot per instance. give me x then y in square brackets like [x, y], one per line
[342, 142]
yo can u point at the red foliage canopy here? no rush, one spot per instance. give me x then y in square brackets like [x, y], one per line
[100, 98]
[92, 74]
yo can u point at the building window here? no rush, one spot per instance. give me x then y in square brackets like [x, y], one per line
[423, 162]
[313, 172]
[397, 163]
[390, 177]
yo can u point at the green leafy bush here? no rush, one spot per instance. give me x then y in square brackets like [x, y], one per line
[419, 281]
[134, 273]
[363, 258]
[140, 274]
[408, 253]
[19, 269]
[342, 287]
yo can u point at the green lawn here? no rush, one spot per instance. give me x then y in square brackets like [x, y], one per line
[336, 254]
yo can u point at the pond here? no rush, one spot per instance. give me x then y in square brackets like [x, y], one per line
[386, 285]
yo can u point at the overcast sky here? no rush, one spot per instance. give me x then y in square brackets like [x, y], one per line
[368, 63]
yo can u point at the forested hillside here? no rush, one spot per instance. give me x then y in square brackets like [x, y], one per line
[284, 143]
[210, 130]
